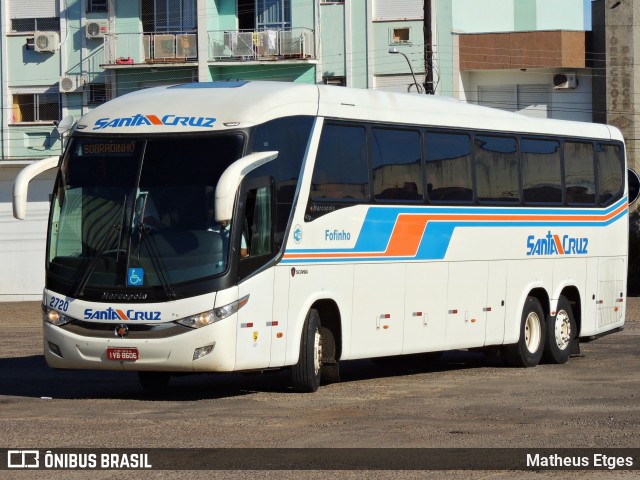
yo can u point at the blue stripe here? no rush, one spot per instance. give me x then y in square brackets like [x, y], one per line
[379, 223]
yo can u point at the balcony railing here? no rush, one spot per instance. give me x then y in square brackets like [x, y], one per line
[136, 48]
[247, 45]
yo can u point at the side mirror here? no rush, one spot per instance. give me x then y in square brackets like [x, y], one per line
[21, 184]
[230, 180]
[633, 181]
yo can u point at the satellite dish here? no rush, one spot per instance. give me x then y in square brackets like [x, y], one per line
[66, 124]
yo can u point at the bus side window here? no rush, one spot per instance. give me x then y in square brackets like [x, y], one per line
[341, 172]
[610, 173]
[579, 173]
[541, 171]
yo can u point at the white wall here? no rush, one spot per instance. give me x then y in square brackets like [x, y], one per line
[22, 242]
[573, 104]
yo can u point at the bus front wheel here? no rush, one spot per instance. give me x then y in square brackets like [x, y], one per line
[561, 334]
[305, 375]
[528, 351]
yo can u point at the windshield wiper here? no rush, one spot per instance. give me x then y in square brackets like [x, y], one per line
[143, 232]
[102, 250]
[94, 261]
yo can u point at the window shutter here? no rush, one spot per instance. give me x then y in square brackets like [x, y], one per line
[398, 9]
[498, 96]
[31, 9]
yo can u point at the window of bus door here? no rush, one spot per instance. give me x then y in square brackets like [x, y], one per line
[255, 241]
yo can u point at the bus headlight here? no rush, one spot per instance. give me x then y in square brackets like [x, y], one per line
[212, 316]
[54, 317]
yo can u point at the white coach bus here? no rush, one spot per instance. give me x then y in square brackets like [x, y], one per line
[246, 226]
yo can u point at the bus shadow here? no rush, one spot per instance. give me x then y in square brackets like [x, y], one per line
[30, 376]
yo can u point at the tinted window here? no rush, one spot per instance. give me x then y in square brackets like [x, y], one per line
[289, 137]
[541, 171]
[496, 169]
[395, 158]
[448, 164]
[610, 170]
[579, 174]
[341, 171]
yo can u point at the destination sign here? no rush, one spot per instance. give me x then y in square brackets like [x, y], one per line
[108, 148]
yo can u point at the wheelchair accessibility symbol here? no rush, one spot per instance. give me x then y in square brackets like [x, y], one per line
[135, 277]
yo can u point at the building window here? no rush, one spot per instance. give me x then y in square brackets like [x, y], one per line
[98, 93]
[95, 6]
[25, 25]
[36, 107]
[169, 15]
[399, 36]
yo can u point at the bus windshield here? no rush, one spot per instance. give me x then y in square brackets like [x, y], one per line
[139, 212]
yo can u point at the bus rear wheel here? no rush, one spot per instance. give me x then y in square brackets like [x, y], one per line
[561, 334]
[528, 351]
[305, 375]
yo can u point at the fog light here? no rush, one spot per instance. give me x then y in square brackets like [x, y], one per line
[55, 349]
[202, 351]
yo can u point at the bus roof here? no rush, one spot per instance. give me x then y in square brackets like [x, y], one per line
[197, 107]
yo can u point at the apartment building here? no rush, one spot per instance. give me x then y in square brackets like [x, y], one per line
[61, 58]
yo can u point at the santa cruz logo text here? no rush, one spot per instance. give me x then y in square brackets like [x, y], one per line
[552, 244]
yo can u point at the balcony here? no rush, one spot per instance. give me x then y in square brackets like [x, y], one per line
[264, 45]
[143, 49]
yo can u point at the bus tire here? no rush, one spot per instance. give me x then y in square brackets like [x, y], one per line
[305, 375]
[561, 334]
[528, 351]
[154, 381]
[329, 367]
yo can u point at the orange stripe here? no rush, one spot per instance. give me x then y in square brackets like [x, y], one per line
[154, 120]
[406, 235]
[558, 244]
[122, 315]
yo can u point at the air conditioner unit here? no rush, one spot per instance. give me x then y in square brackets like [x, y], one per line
[45, 41]
[71, 83]
[96, 29]
[564, 81]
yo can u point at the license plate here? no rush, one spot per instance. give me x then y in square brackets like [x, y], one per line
[129, 354]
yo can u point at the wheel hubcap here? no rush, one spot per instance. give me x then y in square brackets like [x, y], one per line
[532, 332]
[562, 330]
[317, 352]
